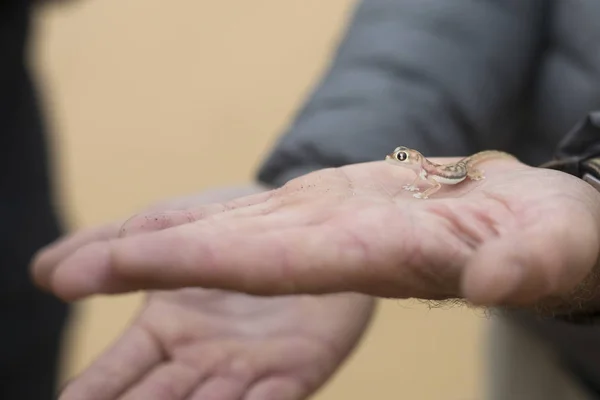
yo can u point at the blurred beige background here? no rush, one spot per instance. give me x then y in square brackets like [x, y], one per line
[146, 97]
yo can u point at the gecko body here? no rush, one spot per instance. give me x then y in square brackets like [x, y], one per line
[440, 174]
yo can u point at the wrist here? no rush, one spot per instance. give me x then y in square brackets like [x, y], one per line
[578, 154]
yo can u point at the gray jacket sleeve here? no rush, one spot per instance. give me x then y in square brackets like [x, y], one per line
[445, 77]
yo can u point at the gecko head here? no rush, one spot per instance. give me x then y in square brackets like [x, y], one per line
[405, 157]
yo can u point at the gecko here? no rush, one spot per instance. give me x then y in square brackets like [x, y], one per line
[438, 174]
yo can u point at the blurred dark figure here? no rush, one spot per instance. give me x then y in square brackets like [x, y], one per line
[32, 322]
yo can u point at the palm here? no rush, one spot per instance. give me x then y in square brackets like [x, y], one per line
[196, 344]
[424, 246]
[431, 242]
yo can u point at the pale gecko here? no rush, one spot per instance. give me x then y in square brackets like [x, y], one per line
[440, 174]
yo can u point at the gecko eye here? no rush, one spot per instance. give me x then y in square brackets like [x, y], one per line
[401, 156]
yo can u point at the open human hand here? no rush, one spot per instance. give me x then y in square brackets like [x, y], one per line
[198, 344]
[521, 236]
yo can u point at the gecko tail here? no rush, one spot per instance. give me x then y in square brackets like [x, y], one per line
[477, 174]
[486, 154]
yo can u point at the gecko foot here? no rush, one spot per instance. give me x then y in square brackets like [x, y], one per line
[420, 196]
[410, 188]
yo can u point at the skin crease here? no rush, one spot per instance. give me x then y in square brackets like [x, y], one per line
[521, 237]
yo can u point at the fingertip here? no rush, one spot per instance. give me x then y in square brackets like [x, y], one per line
[87, 271]
[40, 269]
[45, 261]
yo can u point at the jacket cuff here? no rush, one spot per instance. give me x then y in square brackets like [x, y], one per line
[578, 153]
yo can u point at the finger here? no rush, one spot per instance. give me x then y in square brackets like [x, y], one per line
[311, 259]
[45, 260]
[129, 359]
[220, 388]
[277, 389]
[234, 195]
[150, 222]
[531, 265]
[172, 381]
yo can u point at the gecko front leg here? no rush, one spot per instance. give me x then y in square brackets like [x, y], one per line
[412, 187]
[434, 188]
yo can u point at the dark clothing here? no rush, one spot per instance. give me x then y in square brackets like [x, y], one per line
[32, 322]
[451, 78]
[28, 219]
[30, 340]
